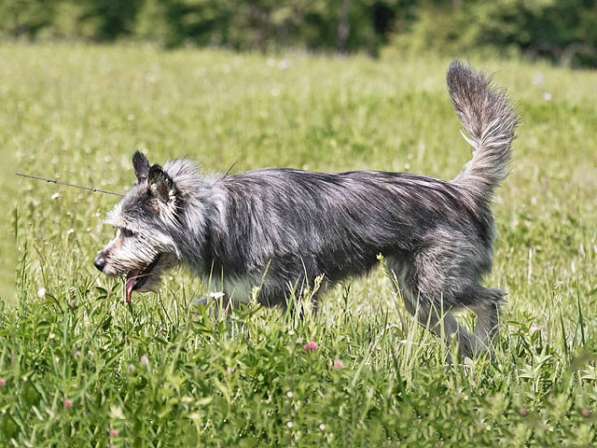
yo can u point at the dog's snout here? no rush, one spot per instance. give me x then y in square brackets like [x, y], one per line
[100, 262]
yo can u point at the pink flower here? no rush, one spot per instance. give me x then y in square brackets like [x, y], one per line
[2, 383]
[114, 433]
[338, 364]
[68, 404]
[311, 346]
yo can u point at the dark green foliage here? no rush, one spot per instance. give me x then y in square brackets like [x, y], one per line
[563, 31]
[25, 17]
[342, 25]
[113, 18]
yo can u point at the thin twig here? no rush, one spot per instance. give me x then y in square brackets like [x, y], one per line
[66, 184]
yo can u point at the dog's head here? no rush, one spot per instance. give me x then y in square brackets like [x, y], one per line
[145, 221]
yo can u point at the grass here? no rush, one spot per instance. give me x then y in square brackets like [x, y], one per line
[79, 368]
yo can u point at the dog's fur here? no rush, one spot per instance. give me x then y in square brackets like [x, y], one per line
[280, 229]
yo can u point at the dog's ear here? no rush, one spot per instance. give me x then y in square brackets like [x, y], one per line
[160, 184]
[141, 166]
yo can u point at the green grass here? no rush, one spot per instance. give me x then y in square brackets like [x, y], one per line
[165, 373]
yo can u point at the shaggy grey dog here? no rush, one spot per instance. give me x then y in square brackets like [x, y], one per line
[281, 229]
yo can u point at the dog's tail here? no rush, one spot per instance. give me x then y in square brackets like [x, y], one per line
[489, 123]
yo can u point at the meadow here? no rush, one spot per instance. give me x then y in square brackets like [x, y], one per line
[80, 368]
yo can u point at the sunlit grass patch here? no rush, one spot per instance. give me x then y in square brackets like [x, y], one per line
[78, 367]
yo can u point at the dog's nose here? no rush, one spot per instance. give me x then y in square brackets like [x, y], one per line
[100, 262]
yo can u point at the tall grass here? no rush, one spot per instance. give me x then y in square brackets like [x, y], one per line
[80, 368]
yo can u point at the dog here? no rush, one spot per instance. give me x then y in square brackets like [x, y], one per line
[283, 230]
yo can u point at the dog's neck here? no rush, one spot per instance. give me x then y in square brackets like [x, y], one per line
[199, 196]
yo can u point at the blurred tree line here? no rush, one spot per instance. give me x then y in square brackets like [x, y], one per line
[564, 31]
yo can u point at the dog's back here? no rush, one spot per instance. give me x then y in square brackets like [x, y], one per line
[334, 225]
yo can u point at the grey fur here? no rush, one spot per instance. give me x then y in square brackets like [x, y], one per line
[282, 228]
[489, 122]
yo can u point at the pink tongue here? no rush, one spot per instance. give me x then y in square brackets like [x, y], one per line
[130, 284]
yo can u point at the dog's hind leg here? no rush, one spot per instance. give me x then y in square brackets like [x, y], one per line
[431, 312]
[488, 317]
[443, 324]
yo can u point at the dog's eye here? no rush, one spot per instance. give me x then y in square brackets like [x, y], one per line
[126, 232]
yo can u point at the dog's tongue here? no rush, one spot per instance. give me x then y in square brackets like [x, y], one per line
[131, 281]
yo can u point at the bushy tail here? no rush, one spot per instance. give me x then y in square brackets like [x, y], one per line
[489, 123]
